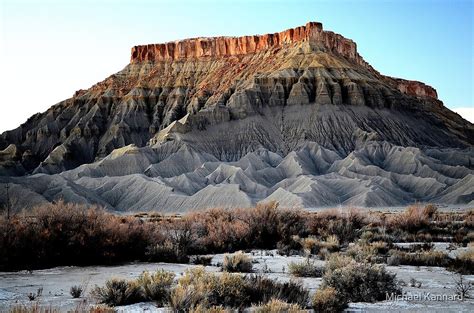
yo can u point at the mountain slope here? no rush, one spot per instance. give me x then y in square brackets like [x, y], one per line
[298, 116]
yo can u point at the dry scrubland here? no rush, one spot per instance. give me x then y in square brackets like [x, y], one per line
[355, 246]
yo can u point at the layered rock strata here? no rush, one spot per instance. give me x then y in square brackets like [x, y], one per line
[226, 97]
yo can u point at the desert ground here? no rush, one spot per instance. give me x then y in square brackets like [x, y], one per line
[422, 253]
[57, 281]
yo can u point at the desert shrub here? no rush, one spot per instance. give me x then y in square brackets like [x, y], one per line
[326, 300]
[177, 237]
[165, 252]
[430, 210]
[463, 287]
[337, 260]
[264, 226]
[413, 218]
[464, 262]
[331, 243]
[380, 247]
[394, 259]
[237, 262]
[185, 299]
[230, 291]
[263, 223]
[277, 306]
[291, 222]
[262, 290]
[361, 282]
[461, 235]
[305, 268]
[368, 252]
[312, 245]
[201, 260]
[70, 234]
[420, 258]
[345, 224]
[118, 292]
[291, 246]
[156, 286]
[200, 288]
[362, 252]
[76, 291]
[218, 230]
[371, 234]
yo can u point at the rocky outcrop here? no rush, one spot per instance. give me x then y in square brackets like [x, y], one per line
[302, 84]
[217, 47]
[416, 88]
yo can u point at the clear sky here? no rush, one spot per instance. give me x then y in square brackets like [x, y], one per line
[51, 48]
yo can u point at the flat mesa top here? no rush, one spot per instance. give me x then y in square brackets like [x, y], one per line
[228, 46]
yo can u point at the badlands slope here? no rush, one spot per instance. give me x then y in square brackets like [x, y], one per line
[376, 175]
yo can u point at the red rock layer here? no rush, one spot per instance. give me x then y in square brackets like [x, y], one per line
[222, 46]
[416, 88]
[232, 46]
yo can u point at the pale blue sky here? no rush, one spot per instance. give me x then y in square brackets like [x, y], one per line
[49, 49]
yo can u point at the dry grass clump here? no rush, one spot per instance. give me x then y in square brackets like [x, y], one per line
[277, 306]
[368, 252]
[237, 262]
[118, 292]
[156, 286]
[313, 245]
[198, 288]
[147, 287]
[305, 268]
[369, 248]
[201, 289]
[327, 300]
[337, 260]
